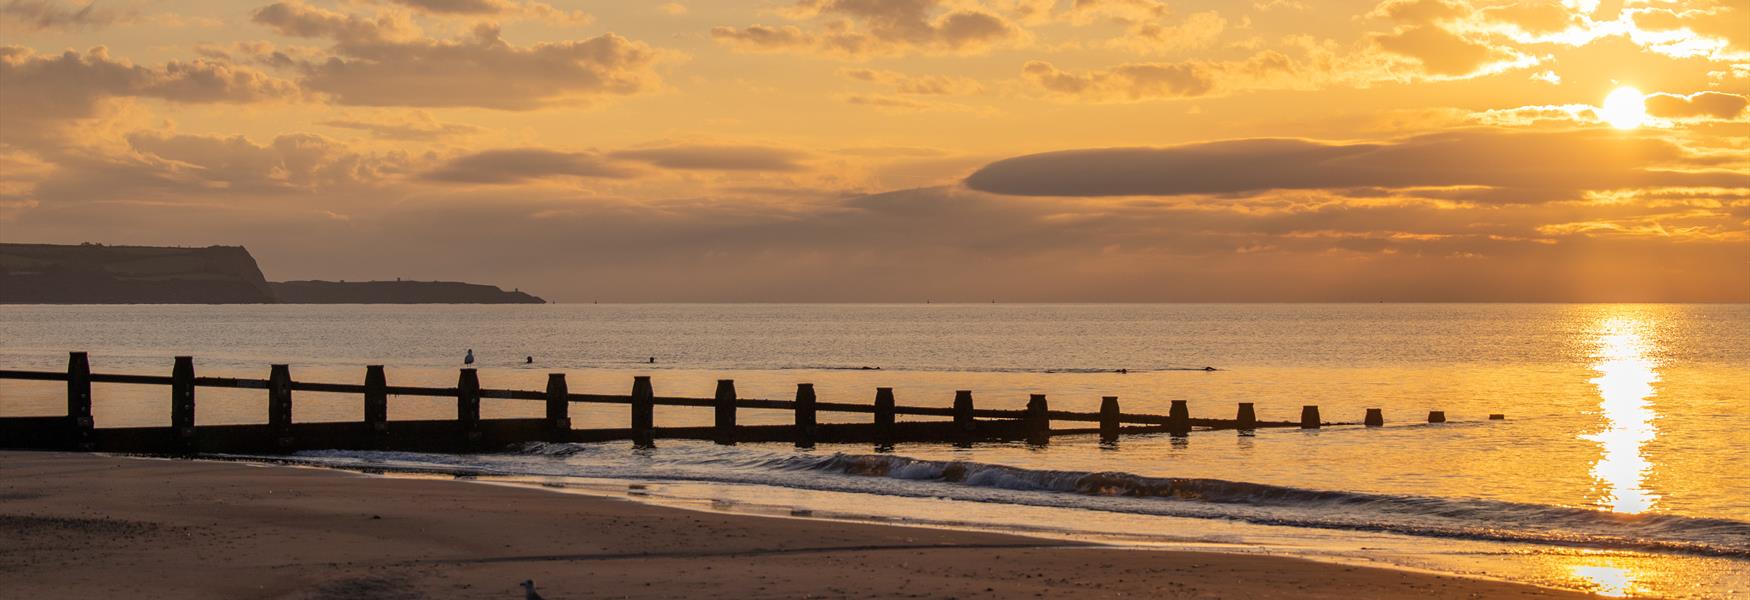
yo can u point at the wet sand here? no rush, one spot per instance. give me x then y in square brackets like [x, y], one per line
[85, 526]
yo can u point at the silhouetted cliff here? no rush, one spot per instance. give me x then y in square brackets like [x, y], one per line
[96, 274]
[396, 292]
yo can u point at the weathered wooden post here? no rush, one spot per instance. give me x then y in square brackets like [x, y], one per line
[1179, 418]
[965, 428]
[79, 422]
[1375, 418]
[279, 404]
[806, 428]
[558, 408]
[468, 406]
[643, 412]
[1437, 416]
[884, 418]
[376, 400]
[182, 401]
[1038, 420]
[725, 404]
[1109, 416]
[1247, 419]
[1309, 417]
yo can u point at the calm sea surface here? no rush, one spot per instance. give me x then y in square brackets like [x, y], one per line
[1622, 464]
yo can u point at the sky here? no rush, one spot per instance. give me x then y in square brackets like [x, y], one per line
[902, 150]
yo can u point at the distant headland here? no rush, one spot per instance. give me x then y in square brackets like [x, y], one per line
[100, 274]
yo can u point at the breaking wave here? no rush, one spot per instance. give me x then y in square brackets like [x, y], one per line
[887, 474]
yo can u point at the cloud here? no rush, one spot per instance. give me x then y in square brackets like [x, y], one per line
[1699, 105]
[1443, 52]
[1534, 18]
[927, 85]
[1667, 110]
[47, 15]
[496, 8]
[1712, 30]
[234, 164]
[1147, 29]
[1127, 82]
[1449, 39]
[43, 90]
[861, 28]
[1557, 164]
[387, 61]
[717, 157]
[416, 126]
[1198, 30]
[516, 165]
[1421, 12]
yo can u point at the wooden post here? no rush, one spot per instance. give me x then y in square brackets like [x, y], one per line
[1309, 417]
[1247, 419]
[1038, 420]
[725, 403]
[182, 400]
[376, 399]
[884, 418]
[1437, 416]
[1179, 418]
[1109, 419]
[806, 428]
[1375, 418]
[643, 412]
[558, 407]
[279, 404]
[79, 423]
[964, 425]
[468, 405]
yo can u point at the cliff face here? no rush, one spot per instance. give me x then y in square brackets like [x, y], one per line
[396, 292]
[94, 274]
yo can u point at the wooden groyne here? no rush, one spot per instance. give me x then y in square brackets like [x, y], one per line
[962, 423]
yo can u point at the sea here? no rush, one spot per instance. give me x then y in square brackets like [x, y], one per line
[1622, 466]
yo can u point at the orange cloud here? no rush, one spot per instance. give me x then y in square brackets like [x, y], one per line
[46, 15]
[387, 61]
[1710, 105]
[861, 28]
[1550, 165]
[42, 91]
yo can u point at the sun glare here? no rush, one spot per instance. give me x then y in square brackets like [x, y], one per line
[1625, 108]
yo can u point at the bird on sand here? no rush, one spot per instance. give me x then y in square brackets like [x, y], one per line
[529, 590]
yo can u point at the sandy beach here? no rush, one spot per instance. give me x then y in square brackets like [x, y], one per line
[88, 526]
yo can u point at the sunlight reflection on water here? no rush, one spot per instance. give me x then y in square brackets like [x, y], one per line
[1610, 582]
[1625, 381]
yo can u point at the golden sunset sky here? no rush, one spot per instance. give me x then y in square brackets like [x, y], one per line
[904, 150]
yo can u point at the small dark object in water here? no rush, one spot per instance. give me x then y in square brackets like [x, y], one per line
[868, 368]
[653, 360]
[529, 360]
[1497, 417]
[529, 590]
[1124, 371]
[1209, 368]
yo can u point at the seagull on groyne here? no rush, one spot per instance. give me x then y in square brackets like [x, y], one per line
[529, 590]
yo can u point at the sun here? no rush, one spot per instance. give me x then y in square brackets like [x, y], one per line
[1625, 108]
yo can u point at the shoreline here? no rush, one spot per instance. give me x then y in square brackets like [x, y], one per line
[133, 527]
